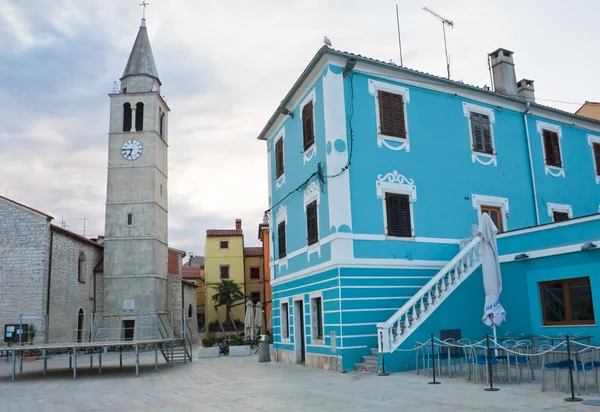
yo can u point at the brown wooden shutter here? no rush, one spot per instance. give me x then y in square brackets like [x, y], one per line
[552, 148]
[398, 215]
[279, 169]
[312, 226]
[281, 239]
[308, 128]
[391, 114]
[596, 151]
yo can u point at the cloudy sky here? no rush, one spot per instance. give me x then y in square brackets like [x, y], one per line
[225, 65]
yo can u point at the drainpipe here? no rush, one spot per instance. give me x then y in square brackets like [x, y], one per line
[47, 335]
[535, 198]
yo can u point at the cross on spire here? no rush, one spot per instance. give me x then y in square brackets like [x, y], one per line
[144, 4]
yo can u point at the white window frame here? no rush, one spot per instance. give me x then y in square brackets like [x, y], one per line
[551, 170]
[591, 140]
[501, 202]
[394, 182]
[311, 151]
[557, 207]
[312, 193]
[313, 325]
[280, 136]
[282, 217]
[483, 158]
[286, 318]
[384, 140]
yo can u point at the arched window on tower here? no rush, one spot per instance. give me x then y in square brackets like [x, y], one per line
[81, 267]
[139, 117]
[190, 313]
[162, 124]
[129, 219]
[126, 117]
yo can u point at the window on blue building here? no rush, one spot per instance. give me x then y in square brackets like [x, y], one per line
[279, 169]
[391, 114]
[567, 302]
[552, 148]
[398, 215]
[495, 213]
[482, 133]
[316, 317]
[596, 153]
[560, 216]
[281, 239]
[284, 316]
[312, 224]
[308, 125]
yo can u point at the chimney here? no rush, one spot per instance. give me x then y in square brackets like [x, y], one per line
[238, 224]
[526, 90]
[266, 219]
[503, 69]
[100, 239]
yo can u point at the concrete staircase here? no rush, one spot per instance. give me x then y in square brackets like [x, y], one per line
[370, 363]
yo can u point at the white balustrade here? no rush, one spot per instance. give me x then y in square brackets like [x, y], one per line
[429, 297]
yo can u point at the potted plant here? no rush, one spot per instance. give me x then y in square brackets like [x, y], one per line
[238, 347]
[208, 349]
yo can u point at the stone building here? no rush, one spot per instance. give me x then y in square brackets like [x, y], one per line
[128, 284]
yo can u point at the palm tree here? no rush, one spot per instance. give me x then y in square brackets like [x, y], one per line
[227, 292]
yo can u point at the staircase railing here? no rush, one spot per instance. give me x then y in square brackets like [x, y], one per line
[414, 312]
[188, 339]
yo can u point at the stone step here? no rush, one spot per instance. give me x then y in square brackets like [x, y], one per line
[374, 351]
[361, 366]
[371, 359]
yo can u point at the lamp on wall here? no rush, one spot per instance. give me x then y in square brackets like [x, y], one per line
[521, 256]
[588, 246]
[285, 112]
[350, 63]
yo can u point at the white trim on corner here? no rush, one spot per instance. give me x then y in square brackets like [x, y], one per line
[280, 181]
[374, 87]
[483, 158]
[591, 140]
[551, 170]
[532, 229]
[557, 207]
[540, 253]
[501, 202]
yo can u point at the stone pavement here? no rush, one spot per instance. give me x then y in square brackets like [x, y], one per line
[243, 384]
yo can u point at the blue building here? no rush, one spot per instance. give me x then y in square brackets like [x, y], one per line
[377, 177]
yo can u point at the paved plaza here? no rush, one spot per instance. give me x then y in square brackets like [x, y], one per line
[244, 384]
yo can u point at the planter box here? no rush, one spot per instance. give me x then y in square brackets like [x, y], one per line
[239, 350]
[208, 352]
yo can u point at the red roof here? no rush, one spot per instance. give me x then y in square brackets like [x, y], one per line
[224, 232]
[48, 217]
[191, 272]
[253, 251]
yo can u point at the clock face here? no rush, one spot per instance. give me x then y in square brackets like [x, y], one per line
[132, 149]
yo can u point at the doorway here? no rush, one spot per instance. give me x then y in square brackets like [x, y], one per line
[495, 214]
[128, 329]
[80, 325]
[299, 331]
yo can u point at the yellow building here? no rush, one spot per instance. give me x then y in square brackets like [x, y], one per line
[223, 259]
[254, 278]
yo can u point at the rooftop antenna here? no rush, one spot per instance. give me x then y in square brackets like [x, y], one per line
[445, 22]
[399, 39]
[63, 224]
[84, 220]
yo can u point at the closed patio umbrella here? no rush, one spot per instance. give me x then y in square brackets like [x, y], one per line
[259, 320]
[249, 321]
[493, 313]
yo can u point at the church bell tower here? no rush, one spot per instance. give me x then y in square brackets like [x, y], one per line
[135, 246]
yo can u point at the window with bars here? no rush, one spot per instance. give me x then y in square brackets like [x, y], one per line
[308, 125]
[281, 239]
[567, 302]
[224, 271]
[312, 224]
[596, 153]
[398, 215]
[481, 130]
[552, 148]
[224, 244]
[559, 216]
[279, 169]
[391, 114]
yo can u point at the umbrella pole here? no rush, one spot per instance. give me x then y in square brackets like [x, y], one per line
[495, 342]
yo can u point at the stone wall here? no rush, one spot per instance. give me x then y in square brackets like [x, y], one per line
[24, 251]
[331, 363]
[189, 299]
[70, 295]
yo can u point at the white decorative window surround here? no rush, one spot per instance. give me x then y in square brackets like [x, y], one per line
[311, 151]
[551, 170]
[557, 207]
[316, 312]
[280, 136]
[501, 202]
[591, 140]
[312, 193]
[383, 140]
[282, 217]
[284, 318]
[394, 182]
[483, 158]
